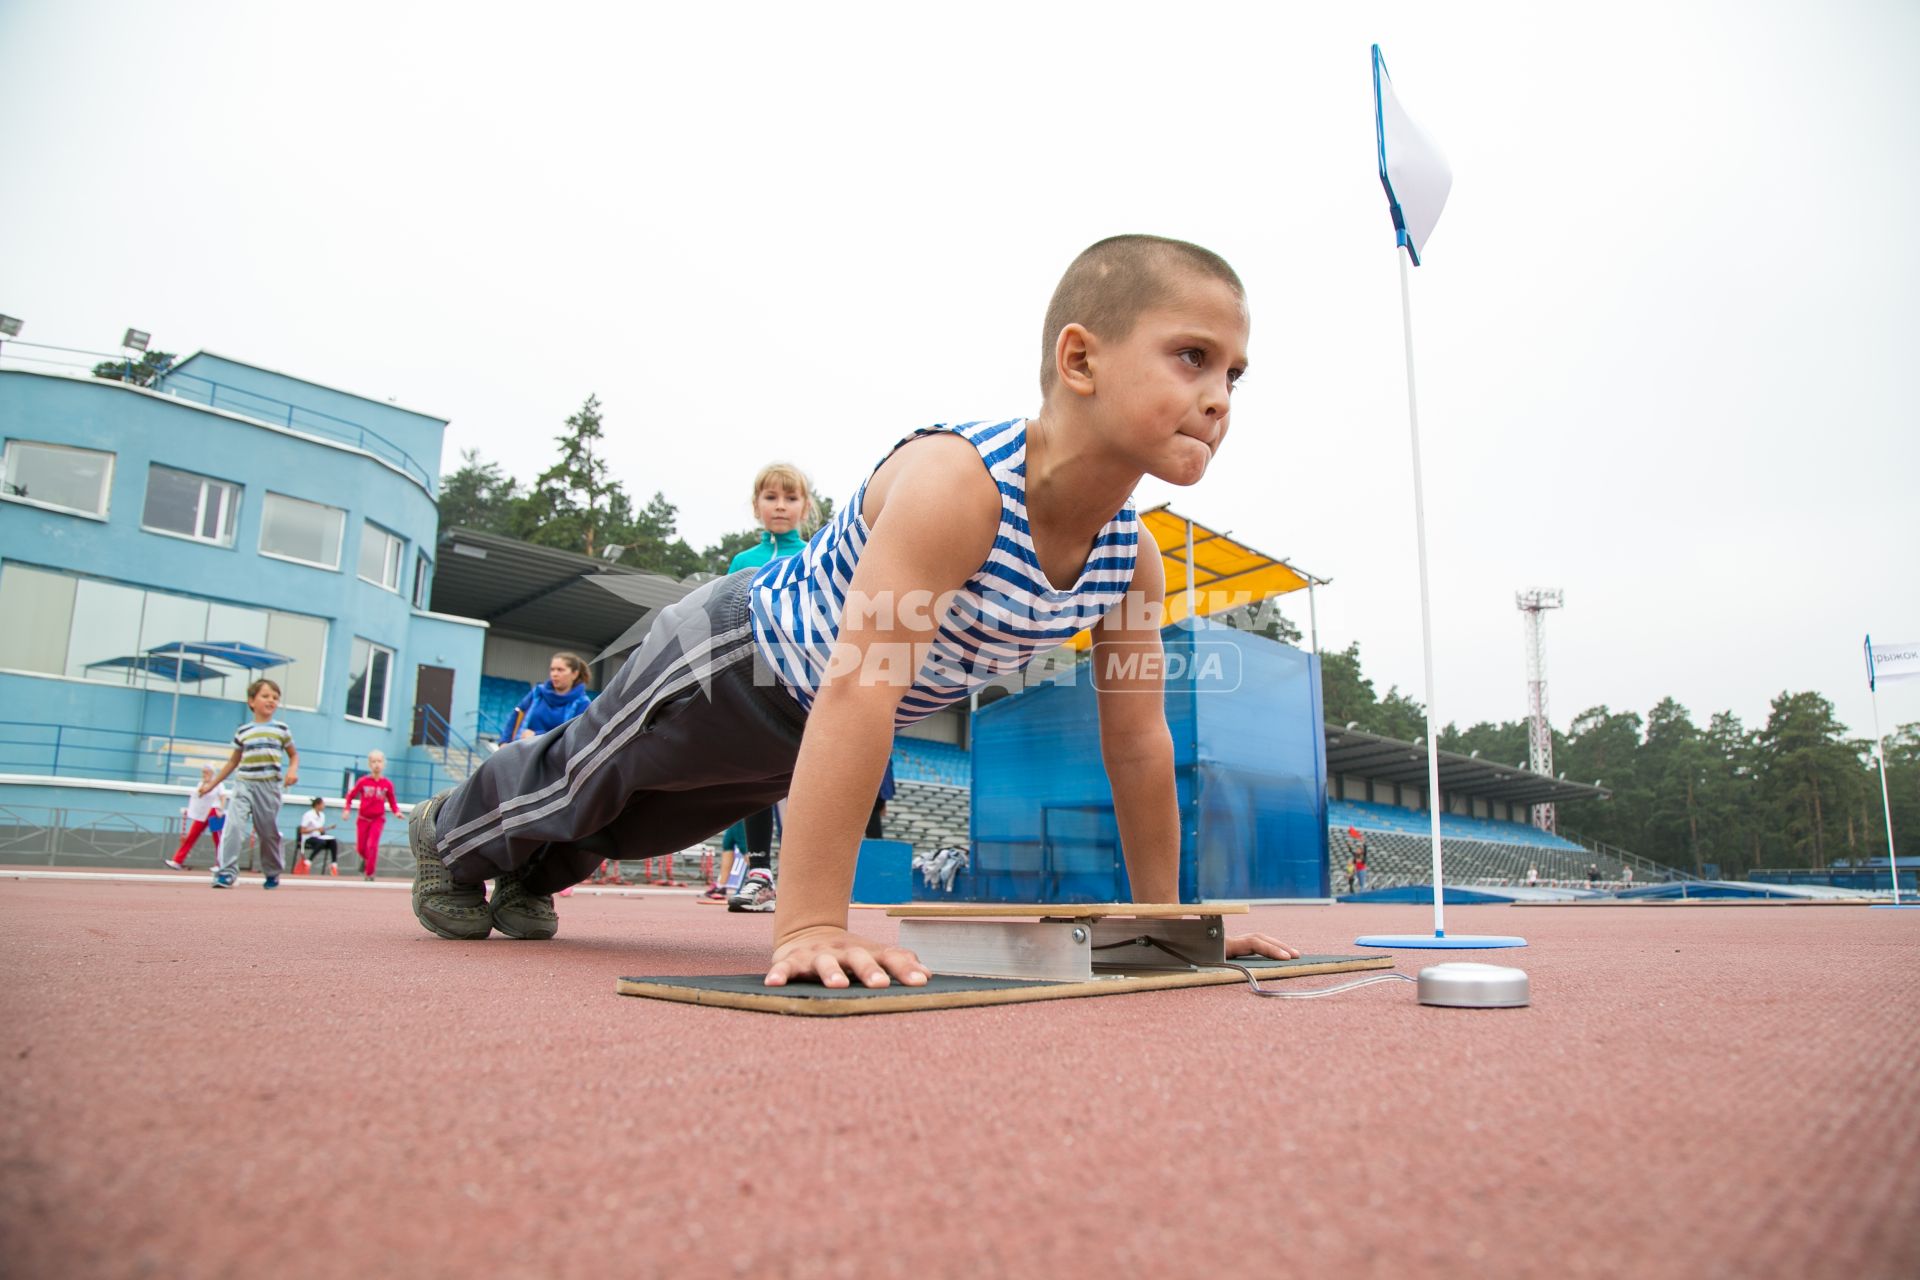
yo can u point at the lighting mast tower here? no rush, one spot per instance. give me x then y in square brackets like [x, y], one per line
[1534, 603]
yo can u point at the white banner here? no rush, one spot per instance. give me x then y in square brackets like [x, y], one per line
[1413, 169]
[1892, 661]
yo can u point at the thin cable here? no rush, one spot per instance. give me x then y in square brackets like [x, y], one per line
[1248, 973]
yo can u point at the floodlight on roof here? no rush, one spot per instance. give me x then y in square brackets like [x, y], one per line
[9, 327]
[136, 340]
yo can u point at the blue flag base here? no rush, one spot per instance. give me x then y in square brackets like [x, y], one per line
[1439, 941]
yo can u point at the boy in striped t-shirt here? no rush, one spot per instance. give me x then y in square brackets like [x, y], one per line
[264, 761]
[936, 579]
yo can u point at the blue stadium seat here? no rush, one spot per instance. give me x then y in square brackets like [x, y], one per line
[1453, 826]
[498, 698]
[918, 760]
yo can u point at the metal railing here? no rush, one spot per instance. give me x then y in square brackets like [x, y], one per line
[1655, 871]
[248, 404]
[126, 755]
[432, 730]
[51, 835]
[251, 404]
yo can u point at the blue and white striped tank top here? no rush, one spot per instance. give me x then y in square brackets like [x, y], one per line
[1006, 615]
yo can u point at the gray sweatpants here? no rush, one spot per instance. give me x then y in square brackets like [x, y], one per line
[684, 742]
[254, 809]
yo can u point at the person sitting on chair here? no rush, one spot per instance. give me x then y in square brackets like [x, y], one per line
[314, 840]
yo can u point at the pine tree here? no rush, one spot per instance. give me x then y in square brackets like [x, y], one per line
[573, 502]
[478, 496]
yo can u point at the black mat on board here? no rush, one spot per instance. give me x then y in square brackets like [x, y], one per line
[754, 984]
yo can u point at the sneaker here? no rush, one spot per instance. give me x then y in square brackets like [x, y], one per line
[714, 893]
[756, 893]
[519, 914]
[171, 865]
[273, 882]
[451, 910]
[223, 879]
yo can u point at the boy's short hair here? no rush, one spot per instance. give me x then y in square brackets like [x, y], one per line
[258, 685]
[1111, 283]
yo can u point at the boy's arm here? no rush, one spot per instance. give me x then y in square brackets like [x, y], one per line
[293, 763]
[937, 512]
[1130, 692]
[233, 762]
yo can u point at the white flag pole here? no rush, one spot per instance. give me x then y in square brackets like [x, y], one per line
[1880, 750]
[1426, 607]
[1416, 178]
[1880, 753]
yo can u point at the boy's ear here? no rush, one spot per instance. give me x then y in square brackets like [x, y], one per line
[1073, 359]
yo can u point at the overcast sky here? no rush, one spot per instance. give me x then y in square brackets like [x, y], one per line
[1666, 327]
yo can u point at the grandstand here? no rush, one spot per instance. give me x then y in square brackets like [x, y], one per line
[1453, 826]
[1477, 850]
[1377, 787]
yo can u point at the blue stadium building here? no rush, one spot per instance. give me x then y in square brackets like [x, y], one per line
[160, 547]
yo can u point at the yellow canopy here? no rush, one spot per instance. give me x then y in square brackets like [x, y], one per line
[1226, 573]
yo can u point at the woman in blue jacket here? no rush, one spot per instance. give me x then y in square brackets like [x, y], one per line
[552, 703]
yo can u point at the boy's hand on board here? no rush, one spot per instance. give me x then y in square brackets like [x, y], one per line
[1259, 944]
[833, 957]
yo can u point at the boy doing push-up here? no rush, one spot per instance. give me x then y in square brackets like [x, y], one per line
[969, 551]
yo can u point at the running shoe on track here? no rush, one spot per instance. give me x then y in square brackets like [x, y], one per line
[756, 893]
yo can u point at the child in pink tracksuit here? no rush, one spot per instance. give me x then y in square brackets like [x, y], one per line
[374, 793]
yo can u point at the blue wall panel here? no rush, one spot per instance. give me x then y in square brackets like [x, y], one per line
[1249, 771]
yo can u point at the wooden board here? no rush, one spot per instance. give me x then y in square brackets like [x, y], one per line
[1595, 903]
[807, 999]
[1065, 910]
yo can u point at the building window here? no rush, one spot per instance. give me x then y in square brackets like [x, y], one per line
[57, 477]
[190, 506]
[367, 677]
[422, 567]
[88, 629]
[292, 529]
[380, 557]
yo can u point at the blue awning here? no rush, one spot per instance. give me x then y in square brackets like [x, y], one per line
[240, 654]
[166, 666]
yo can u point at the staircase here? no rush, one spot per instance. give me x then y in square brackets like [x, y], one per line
[456, 764]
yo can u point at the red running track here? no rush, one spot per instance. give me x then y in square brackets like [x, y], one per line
[305, 1083]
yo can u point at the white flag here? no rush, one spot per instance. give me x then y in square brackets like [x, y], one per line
[1412, 168]
[1891, 661]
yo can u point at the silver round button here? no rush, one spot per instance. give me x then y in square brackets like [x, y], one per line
[1462, 984]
